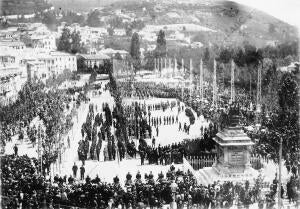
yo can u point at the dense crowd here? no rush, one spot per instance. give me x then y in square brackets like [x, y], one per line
[22, 187]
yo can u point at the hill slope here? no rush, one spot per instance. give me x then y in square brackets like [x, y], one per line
[19, 7]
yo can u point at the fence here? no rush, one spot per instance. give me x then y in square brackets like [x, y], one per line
[201, 161]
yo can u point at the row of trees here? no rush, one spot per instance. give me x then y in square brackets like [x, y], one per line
[283, 122]
[70, 42]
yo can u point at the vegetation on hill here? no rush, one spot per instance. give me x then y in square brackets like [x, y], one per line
[22, 7]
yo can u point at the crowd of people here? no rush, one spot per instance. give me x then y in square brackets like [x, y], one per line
[23, 187]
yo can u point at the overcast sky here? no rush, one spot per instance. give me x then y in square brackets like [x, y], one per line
[285, 10]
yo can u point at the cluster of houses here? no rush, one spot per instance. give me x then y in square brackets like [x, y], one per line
[29, 52]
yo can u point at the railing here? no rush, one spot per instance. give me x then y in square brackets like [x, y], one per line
[201, 161]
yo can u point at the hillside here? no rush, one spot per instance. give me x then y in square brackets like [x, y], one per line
[22, 7]
[234, 23]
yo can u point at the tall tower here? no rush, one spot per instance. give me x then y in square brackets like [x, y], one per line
[215, 84]
[232, 92]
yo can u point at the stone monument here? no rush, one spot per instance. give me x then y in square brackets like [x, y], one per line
[233, 154]
[233, 148]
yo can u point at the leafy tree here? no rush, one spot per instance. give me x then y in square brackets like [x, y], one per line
[138, 24]
[72, 17]
[64, 42]
[70, 42]
[115, 22]
[206, 55]
[252, 55]
[135, 51]
[225, 55]
[128, 30]
[49, 19]
[239, 57]
[288, 60]
[93, 19]
[118, 56]
[110, 31]
[288, 92]
[135, 46]
[161, 44]
[76, 42]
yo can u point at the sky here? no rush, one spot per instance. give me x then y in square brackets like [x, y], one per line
[285, 10]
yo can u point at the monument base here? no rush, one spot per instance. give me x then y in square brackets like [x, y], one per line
[209, 175]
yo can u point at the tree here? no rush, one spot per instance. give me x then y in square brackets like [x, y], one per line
[118, 56]
[225, 55]
[252, 55]
[76, 42]
[49, 19]
[239, 57]
[128, 30]
[70, 42]
[135, 46]
[135, 51]
[206, 55]
[287, 92]
[115, 22]
[111, 31]
[93, 19]
[288, 60]
[72, 17]
[64, 42]
[161, 44]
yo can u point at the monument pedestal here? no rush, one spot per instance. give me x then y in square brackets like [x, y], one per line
[234, 148]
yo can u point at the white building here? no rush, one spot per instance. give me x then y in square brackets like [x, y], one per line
[63, 60]
[46, 42]
[12, 44]
[12, 79]
[36, 70]
[112, 53]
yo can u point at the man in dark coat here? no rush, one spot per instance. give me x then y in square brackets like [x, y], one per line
[82, 171]
[74, 168]
[16, 149]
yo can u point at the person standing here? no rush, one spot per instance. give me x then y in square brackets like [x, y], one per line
[153, 142]
[82, 171]
[16, 149]
[75, 168]
[156, 131]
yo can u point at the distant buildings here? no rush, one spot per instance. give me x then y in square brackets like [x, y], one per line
[46, 42]
[112, 53]
[91, 62]
[12, 44]
[63, 60]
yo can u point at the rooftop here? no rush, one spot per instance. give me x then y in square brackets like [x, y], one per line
[11, 43]
[98, 56]
[59, 53]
